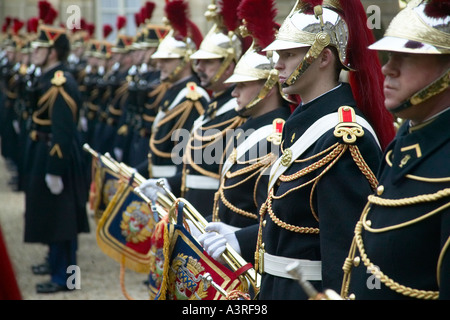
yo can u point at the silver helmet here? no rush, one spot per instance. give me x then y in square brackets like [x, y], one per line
[222, 40]
[316, 28]
[422, 27]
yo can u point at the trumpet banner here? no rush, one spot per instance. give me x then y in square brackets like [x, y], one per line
[104, 185]
[185, 262]
[124, 231]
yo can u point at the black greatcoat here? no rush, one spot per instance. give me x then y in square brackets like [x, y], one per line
[54, 148]
[333, 206]
[416, 167]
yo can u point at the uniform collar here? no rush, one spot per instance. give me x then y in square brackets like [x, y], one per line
[414, 144]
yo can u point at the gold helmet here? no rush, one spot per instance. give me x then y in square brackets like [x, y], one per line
[342, 24]
[183, 38]
[422, 27]
[255, 64]
[316, 27]
[222, 40]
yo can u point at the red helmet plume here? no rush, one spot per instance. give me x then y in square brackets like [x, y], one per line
[259, 16]
[177, 12]
[107, 29]
[121, 22]
[367, 80]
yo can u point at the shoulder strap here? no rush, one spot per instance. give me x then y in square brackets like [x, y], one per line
[251, 140]
[312, 134]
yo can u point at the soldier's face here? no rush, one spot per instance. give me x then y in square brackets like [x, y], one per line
[39, 56]
[245, 92]
[167, 66]
[206, 69]
[406, 74]
[287, 63]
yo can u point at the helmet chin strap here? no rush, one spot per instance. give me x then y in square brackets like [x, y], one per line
[436, 87]
[271, 81]
[321, 40]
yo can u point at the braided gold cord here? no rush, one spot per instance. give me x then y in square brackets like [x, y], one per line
[363, 167]
[234, 123]
[234, 208]
[411, 200]
[283, 224]
[314, 166]
[180, 109]
[257, 168]
[391, 284]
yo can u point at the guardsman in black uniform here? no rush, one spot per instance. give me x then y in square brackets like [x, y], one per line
[98, 54]
[27, 74]
[11, 75]
[244, 176]
[401, 244]
[56, 189]
[150, 37]
[116, 95]
[183, 102]
[329, 150]
[205, 150]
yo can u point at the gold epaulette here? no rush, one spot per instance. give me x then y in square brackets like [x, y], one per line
[275, 136]
[192, 93]
[58, 79]
[348, 129]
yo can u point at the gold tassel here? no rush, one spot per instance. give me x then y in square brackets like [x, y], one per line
[164, 282]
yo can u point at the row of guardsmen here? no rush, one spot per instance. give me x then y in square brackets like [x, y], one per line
[281, 137]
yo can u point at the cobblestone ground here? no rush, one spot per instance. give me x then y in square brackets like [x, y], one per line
[100, 275]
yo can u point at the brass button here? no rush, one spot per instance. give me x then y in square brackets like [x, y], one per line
[356, 261]
[264, 223]
[368, 223]
[263, 245]
[380, 190]
[352, 296]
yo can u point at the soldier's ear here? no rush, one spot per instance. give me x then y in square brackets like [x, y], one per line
[327, 57]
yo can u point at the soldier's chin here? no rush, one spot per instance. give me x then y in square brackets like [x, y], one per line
[391, 104]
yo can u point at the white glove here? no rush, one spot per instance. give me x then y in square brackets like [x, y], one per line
[150, 189]
[16, 126]
[54, 183]
[217, 236]
[83, 124]
[118, 153]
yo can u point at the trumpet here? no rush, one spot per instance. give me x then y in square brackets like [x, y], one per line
[230, 256]
[126, 173]
[166, 204]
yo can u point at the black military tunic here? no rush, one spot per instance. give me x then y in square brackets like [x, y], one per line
[243, 186]
[181, 105]
[405, 231]
[54, 148]
[205, 152]
[313, 206]
[111, 106]
[143, 121]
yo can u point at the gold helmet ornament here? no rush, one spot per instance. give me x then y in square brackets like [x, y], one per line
[183, 38]
[258, 21]
[47, 34]
[222, 41]
[340, 24]
[151, 34]
[124, 43]
[422, 27]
